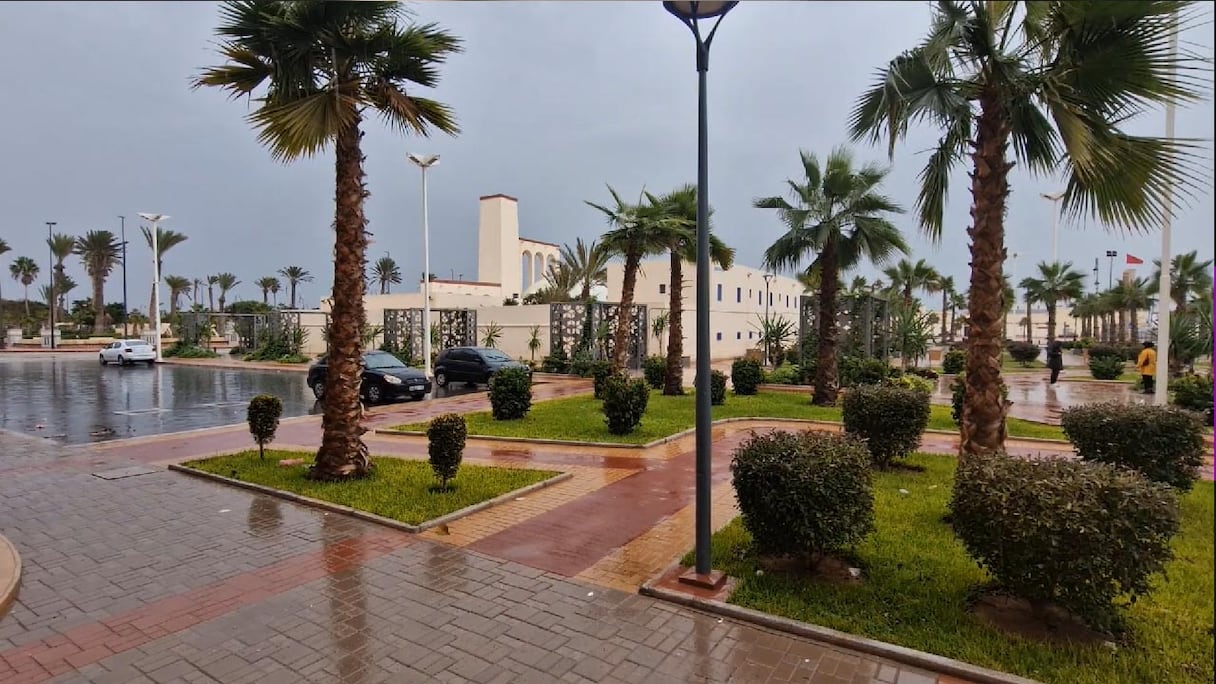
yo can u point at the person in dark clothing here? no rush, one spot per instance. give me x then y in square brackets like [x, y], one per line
[1055, 360]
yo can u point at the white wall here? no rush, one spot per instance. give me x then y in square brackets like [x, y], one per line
[516, 323]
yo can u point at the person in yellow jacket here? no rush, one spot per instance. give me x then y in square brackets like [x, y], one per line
[1147, 365]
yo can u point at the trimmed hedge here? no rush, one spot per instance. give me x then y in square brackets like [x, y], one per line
[803, 494]
[954, 361]
[625, 403]
[1077, 535]
[717, 388]
[1163, 443]
[557, 362]
[890, 420]
[1024, 353]
[445, 437]
[654, 370]
[1105, 367]
[855, 371]
[1193, 393]
[263, 416]
[511, 394]
[746, 375]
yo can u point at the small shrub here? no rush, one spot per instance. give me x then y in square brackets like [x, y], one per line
[890, 420]
[445, 436]
[1074, 534]
[510, 394]
[803, 494]
[1105, 367]
[654, 369]
[1164, 444]
[557, 362]
[745, 375]
[926, 373]
[782, 375]
[599, 372]
[1122, 351]
[717, 388]
[181, 350]
[1193, 393]
[580, 364]
[1024, 353]
[263, 417]
[954, 361]
[856, 371]
[624, 403]
[958, 392]
[911, 382]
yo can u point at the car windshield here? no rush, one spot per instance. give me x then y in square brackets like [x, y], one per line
[494, 355]
[382, 360]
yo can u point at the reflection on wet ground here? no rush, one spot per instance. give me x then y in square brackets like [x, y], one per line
[1035, 399]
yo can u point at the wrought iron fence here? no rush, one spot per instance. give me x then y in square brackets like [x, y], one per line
[449, 328]
[863, 323]
[591, 327]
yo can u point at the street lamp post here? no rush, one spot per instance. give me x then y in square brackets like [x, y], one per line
[1054, 198]
[123, 236]
[155, 220]
[690, 14]
[425, 163]
[50, 226]
[1161, 392]
[768, 278]
[1110, 271]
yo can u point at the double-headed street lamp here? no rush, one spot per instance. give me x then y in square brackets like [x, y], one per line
[155, 220]
[691, 14]
[122, 231]
[424, 163]
[1054, 198]
[50, 227]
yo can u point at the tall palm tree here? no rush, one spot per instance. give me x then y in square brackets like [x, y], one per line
[1189, 277]
[957, 301]
[636, 231]
[1054, 82]
[315, 69]
[212, 281]
[24, 270]
[1130, 297]
[275, 287]
[4, 249]
[680, 207]
[588, 262]
[945, 285]
[61, 248]
[386, 273]
[100, 252]
[559, 281]
[225, 281]
[908, 278]
[838, 214]
[1054, 282]
[294, 276]
[267, 284]
[178, 286]
[165, 240]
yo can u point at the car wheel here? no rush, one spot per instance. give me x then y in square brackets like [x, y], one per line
[441, 379]
[318, 391]
[373, 394]
[101, 359]
[121, 360]
[151, 362]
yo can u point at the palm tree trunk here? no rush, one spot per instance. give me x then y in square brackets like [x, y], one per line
[1122, 325]
[624, 318]
[210, 298]
[99, 305]
[265, 296]
[945, 307]
[1051, 323]
[27, 301]
[343, 454]
[222, 298]
[983, 421]
[673, 380]
[1133, 324]
[1029, 322]
[825, 353]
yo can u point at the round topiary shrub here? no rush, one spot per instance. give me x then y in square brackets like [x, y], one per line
[445, 436]
[624, 403]
[890, 420]
[263, 415]
[599, 372]
[717, 388]
[1193, 393]
[803, 494]
[1163, 443]
[954, 361]
[746, 375]
[511, 394]
[856, 371]
[1105, 367]
[654, 369]
[1024, 353]
[1062, 532]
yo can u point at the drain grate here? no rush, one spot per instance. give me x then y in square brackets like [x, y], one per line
[132, 471]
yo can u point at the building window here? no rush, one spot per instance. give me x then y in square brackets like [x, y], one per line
[719, 337]
[662, 288]
[738, 295]
[719, 299]
[770, 299]
[738, 336]
[787, 301]
[749, 334]
[760, 298]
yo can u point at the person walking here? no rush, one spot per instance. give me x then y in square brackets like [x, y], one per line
[1055, 360]
[1146, 363]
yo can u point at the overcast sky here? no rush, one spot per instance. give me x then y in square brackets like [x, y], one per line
[556, 99]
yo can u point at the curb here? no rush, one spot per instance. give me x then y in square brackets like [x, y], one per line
[10, 575]
[882, 649]
[372, 517]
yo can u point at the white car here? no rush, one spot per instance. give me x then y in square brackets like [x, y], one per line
[126, 352]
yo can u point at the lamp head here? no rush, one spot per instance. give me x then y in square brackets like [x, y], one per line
[1053, 196]
[424, 161]
[154, 218]
[689, 11]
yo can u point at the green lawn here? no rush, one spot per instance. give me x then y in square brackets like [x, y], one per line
[580, 419]
[918, 579]
[399, 488]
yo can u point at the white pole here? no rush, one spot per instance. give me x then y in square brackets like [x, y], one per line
[1162, 395]
[426, 283]
[156, 288]
[1055, 231]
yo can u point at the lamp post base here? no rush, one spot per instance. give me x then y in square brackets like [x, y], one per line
[713, 581]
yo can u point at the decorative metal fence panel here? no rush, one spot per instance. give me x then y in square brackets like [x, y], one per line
[246, 331]
[592, 327]
[863, 324]
[449, 328]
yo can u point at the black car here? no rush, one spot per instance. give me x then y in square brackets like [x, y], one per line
[384, 378]
[474, 365]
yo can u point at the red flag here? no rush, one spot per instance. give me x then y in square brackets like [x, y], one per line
[1131, 260]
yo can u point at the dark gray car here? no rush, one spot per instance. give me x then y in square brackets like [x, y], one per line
[474, 365]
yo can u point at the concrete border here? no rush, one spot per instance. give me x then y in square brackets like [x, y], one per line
[882, 649]
[372, 517]
[10, 575]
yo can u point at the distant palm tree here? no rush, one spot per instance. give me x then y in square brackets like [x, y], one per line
[559, 281]
[386, 273]
[266, 285]
[61, 246]
[588, 264]
[212, 281]
[294, 275]
[178, 286]
[1189, 277]
[945, 285]
[4, 249]
[101, 252]
[275, 287]
[957, 301]
[24, 270]
[839, 214]
[225, 281]
[1054, 282]
[907, 278]
[165, 240]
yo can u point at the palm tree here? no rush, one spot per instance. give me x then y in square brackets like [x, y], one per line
[101, 252]
[1055, 281]
[1129, 297]
[225, 281]
[839, 215]
[588, 263]
[274, 290]
[907, 278]
[212, 281]
[24, 270]
[165, 240]
[386, 273]
[178, 286]
[680, 208]
[1188, 277]
[957, 301]
[637, 230]
[324, 65]
[945, 285]
[61, 248]
[1053, 81]
[267, 284]
[559, 281]
[294, 275]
